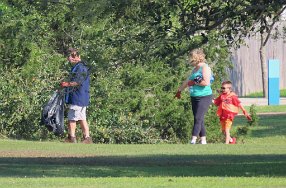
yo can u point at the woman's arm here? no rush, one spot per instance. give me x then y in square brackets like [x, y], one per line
[183, 85]
[206, 76]
[181, 88]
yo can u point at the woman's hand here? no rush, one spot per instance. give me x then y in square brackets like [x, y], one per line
[191, 83]
[178, 95]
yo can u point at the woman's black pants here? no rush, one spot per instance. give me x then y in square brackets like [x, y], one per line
[200, 106]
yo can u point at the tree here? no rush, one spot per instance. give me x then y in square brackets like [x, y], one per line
[267, 25]
[137, 50]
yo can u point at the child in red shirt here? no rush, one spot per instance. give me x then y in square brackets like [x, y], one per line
[228, 107]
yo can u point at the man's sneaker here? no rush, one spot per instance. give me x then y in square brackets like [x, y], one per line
[87, 140]
[70, 139]
[233, 141]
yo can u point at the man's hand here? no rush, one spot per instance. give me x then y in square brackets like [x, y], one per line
[65, 84]
[191, 83]
[178, 95]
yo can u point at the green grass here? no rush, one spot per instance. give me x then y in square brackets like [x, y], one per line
[258, 160]
[267, 109]
[260, 94]
[271, 129]
[142, 182]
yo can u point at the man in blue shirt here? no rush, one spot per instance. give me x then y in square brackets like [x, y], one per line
[77, 96]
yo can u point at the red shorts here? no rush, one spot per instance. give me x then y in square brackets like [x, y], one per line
[225, 124]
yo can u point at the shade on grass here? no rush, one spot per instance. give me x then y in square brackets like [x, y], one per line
[258, 160]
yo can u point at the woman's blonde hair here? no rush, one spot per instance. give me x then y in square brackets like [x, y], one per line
[198, 55]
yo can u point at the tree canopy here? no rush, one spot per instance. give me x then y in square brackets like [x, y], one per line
[136, 50]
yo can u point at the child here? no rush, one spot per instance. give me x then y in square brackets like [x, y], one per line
[228, 106]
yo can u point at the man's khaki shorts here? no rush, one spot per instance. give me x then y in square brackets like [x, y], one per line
[76, 113]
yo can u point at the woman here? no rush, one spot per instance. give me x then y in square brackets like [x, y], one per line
[200, 91]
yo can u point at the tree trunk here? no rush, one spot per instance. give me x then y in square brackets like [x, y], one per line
[263, 67]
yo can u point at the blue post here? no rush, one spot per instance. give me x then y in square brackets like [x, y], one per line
[273, 82]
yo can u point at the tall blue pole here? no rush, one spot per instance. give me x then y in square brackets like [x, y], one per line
[273, 82]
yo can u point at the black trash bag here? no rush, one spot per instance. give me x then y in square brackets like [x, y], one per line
[53, 114]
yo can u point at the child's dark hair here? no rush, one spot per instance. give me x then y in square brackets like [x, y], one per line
[226, 82]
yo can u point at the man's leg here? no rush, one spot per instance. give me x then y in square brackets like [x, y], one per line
[71, 128]
[84, 128]
[83, 122]
[71, 132]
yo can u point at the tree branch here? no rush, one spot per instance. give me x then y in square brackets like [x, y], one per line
[274, 20]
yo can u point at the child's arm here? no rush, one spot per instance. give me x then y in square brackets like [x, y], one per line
[245, 112]
[237, 102]
[217, 101]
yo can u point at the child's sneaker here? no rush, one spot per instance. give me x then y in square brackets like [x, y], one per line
[233, 141]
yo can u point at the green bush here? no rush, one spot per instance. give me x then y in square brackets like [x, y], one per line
[24, 92]
[254, 117]
[213, 127]
[126, 135]
[242, 131]
[136, 99]
[133, 84]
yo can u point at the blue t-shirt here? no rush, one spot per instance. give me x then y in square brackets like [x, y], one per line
[79, 95]
[196, 90]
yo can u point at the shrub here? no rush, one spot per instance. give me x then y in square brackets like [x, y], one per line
[126, 135]
[254, 117]
[213, 127]
[242, 131]
[132, 87]
[24, 91]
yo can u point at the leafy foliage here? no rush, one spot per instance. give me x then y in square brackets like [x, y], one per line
[136, 51]
[254, 117]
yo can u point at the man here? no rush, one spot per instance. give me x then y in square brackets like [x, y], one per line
[77, 96]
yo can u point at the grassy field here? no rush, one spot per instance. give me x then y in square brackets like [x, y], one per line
[268, 109]
[258, 160]
[260, 94]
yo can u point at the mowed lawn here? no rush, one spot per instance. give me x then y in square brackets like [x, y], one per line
[258, 160]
